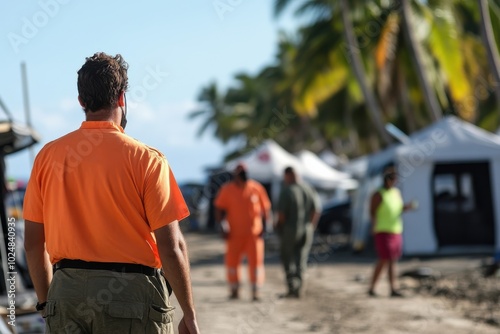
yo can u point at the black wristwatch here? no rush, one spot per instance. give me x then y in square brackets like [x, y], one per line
[40, 307]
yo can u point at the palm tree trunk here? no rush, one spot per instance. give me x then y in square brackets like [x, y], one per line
[374, 109]
[490, 45]
[414, 49]
[411, 121]
[373, 141]
[352, 133]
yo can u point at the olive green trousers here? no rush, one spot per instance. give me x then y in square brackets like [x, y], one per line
[102, 301]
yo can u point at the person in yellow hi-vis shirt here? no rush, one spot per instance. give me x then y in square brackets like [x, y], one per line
[386, 208]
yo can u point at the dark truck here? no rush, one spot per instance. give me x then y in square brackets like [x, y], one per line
[335, 218]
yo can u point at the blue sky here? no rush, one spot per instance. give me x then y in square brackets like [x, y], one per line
[173, 49]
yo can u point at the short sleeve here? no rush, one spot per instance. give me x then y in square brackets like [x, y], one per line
[313, 200]
[163, 200]
[33, 201]
[284, 201]
[222, 198]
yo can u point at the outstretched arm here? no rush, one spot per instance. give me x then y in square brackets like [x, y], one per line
[173, 253]
[412, 205]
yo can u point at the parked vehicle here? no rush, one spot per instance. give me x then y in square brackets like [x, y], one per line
[335, 218]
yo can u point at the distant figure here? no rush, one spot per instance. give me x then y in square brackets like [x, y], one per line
[244, 203]
[386, 208]
[299, 210]
[103, 209]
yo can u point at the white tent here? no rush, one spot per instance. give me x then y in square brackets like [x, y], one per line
[452, 168]
[319, 174]
[267, 162]
[330, 158]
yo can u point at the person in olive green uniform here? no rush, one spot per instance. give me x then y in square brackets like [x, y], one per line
[386, 208]
[298, 214]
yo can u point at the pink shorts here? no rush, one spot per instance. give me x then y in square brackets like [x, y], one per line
[388, 245]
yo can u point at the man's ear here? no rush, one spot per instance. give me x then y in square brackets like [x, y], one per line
[81, 102]
[121, 99]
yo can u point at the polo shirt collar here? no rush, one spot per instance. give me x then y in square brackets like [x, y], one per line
[101, 125]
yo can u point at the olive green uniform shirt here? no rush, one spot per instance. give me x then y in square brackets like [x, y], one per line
[297, 202]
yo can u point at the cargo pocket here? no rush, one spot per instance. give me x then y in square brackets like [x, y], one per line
[49, 315]
[49, 310]
[160, 319]
[124, 317]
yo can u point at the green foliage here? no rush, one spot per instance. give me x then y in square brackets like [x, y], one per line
[312, 77]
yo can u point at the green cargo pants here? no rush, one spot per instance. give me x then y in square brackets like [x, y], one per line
[102, 301]
[294, 255]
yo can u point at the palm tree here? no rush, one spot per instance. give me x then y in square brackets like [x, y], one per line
[490, 45]
[442, 54]
[326, 78]
[216, 113]
[255, 107]
[354, 56]
[439, 53]
[358, 68]
[415, 52]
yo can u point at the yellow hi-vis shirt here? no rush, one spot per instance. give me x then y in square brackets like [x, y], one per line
[389, 212]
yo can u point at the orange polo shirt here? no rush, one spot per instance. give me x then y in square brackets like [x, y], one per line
[244, 207]
[100, 195]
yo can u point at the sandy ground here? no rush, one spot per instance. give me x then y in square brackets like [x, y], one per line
[335, 298]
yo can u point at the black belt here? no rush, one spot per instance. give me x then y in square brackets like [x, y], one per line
[113, 266]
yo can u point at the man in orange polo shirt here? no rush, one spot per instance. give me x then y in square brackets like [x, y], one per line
[104, 208]
[244, 203]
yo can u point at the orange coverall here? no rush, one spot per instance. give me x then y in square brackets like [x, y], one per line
[244, 207]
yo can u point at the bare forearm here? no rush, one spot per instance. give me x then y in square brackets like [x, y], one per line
[410, 206]
[374, 205]
[219, 215]
[40, 270]
[315, 218]
[281, 219]
[38, 259]
[174, 257]
[177, 273]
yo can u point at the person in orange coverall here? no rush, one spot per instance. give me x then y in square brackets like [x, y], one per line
[244, 203]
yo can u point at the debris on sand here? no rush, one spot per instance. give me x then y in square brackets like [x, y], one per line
[476, 296]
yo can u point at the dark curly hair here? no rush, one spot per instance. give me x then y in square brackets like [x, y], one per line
[101, 80]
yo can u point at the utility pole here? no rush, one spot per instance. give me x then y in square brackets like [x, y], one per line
[27, 110]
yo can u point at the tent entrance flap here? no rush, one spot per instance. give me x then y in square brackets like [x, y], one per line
[463, 205]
